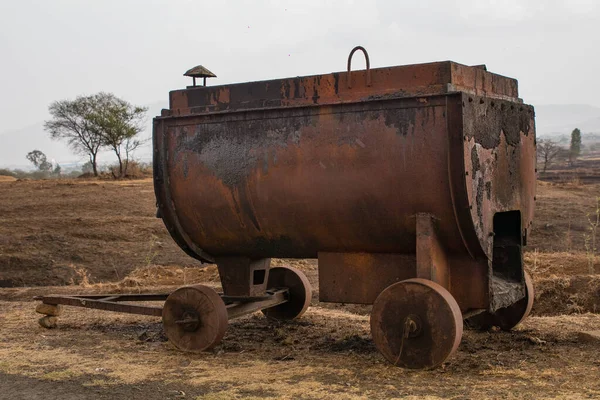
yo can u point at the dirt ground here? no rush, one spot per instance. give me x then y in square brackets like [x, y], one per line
[326, 354]
[61, 232]
[68, 231]
[95, 236]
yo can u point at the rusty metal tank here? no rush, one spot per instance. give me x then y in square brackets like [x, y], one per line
[387, 174]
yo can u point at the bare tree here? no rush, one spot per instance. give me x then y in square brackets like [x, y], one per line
[131, 144]
[71, 122]
[547, 150]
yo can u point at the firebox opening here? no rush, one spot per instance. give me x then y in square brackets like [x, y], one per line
[507, 261]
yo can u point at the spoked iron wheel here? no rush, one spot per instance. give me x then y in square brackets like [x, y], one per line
[299, 292]
[416, 324]
[508, 317]
[194, 318]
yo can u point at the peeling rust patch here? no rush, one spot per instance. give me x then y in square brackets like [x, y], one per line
[287, 87]
[336, 84]
[185, 166]
[475, 160]
[401, 119]
[233, 148]
[488, 120]
[298, 89]
[479, 200]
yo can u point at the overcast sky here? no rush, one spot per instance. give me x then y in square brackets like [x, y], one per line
[56, 49]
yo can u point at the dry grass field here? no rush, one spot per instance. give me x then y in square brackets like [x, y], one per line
[55, 232]
[82, 236]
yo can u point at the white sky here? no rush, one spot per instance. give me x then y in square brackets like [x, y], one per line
[56, 49]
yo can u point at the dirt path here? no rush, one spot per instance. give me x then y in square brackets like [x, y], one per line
[326, 354]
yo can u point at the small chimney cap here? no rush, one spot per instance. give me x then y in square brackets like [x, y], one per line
[199, 72]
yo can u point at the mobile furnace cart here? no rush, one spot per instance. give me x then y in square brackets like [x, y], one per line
[413, 186]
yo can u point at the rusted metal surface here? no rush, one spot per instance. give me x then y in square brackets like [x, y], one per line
[112, 297]
[499, 148]
[277, 297]
[236, 305]
[432, 259]
[342, 165]
[298, 293]
[508, 317]
[317, 179]
[107, 303]
[400, 81]
[242, 276]
[358, 278]
[416, 324]
[194, 318]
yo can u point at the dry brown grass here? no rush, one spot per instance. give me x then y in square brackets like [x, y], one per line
[556, 295]
[541, 264]
[327, 354]
[561, 216]
[102, 237]
[107, 228]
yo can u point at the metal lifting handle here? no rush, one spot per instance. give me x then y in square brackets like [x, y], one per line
[350, 65]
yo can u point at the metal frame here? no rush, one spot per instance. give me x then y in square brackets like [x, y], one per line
[236, 305]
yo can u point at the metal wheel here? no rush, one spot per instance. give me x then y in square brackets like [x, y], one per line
[416, 324]
[508, 317]
[194, 318]
[300, 293]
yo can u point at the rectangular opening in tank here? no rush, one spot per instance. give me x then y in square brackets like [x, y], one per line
[258, 277]
[507, 262]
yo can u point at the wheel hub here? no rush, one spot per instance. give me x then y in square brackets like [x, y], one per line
[412, 326]
[190, 321]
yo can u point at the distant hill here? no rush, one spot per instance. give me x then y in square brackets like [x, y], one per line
[561, 119]
[14, 145]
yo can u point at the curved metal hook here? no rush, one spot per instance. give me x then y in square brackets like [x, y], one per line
[350, 65]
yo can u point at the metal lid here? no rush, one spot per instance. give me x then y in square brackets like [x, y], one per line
[199, 72]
